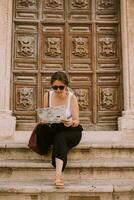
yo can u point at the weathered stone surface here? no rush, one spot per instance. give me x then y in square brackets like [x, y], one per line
[7, 121]
[88, 189]
[126, 122]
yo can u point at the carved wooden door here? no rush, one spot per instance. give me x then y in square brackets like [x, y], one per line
[81, 37]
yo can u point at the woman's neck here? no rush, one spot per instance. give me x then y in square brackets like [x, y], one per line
[60, 95]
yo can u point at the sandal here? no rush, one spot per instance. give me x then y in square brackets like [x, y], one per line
[59, 183]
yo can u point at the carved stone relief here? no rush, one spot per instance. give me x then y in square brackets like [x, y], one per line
[54, 3]
[80, 46]
[26, 3]
[53, 47]
[25, 46]
[107, 96]
[25, 96]
[105, 4]
[79, 3]
[107, 47]
[82, 95]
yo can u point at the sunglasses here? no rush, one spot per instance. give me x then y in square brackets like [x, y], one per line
[61, 87]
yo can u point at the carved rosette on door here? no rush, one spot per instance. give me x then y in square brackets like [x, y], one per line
[80, 37]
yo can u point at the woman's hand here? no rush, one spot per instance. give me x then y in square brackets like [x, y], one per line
[70, 122]
[75, 123]
[40, 121]
[67, 122]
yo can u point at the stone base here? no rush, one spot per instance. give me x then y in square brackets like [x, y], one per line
[126, 122]
[20, 190]
[7, 126]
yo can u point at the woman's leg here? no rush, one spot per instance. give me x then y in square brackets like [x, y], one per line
[62, 143]
[44, 137]
[60, 150]
[59, 166]
[59, 157]
[58, 176]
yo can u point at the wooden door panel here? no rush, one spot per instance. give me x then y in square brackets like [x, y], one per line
[107, 10]
[53, 10]
[80, 37]
[25, 102]
[79, 10]
[25, 47]
[109, 98]
[82, 87]
[107, 42]
[28, 10]
[53, 51]
[80, 47]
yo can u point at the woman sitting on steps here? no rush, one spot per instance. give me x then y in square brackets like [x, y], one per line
[64, 135]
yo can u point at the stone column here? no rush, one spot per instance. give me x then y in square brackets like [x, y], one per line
[126, 122]
[7, 121]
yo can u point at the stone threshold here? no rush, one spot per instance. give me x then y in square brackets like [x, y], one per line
[92, 163]
[85, 143]
[37, 187]
[92, 136]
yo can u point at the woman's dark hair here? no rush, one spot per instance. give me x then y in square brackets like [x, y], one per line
[59, 76]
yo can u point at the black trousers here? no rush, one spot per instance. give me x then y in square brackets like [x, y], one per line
[61, 138]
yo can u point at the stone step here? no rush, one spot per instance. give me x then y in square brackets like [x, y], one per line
[85, 150]
[76, 169]
[93, 136]
[90, 190]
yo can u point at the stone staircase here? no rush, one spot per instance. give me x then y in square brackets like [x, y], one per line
[101, 167]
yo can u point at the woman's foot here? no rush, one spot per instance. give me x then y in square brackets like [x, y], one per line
[59, 183]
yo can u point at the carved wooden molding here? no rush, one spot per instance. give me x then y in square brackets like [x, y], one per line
[79, 3]
[82, 95]
[26, 3]
[80, 47]
[107, 46]
[53, 47]
[25, 46]
[105, 3]
[25, 97]
[108, 98]
[54, 3]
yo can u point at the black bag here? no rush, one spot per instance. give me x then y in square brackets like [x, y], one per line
[32, 144]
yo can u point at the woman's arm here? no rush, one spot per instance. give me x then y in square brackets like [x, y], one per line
[74, 120]
[46, 103]
[74, 111]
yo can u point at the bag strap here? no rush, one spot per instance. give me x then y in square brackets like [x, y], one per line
[48, 99]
